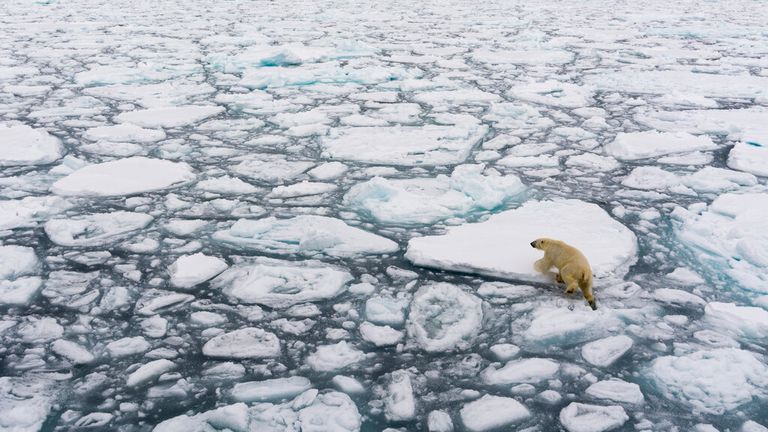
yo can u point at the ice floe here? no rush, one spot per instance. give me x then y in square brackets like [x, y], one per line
[711, 381]
[169, 117]
[492, 412]
[306, 235]
[245, 343]
[129, 176]
[425, 145]
[96, 229]
[281, 284]
[499, 247]
[750, 156]
[190, 270]
[425, 201]
[443, 317]
[642, 145]
[530, 371]
[579, 417]
[604, 352]
[328, 358]
[23, 145]
[270, 390]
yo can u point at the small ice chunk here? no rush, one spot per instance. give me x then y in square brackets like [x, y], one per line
[443, 317]
[36, 330]
[616, 390]
[348, 385]
[385, 310]
[123, 177]
[328, 358]
[20, 291]
[504, 352]
[380, 335]
[127, 346]
[304, 188]
[270, 390]
[604, 352]
[439, 421]
[400, 405]
[530, 371]
[579, 417]
[149, 371]
[23, 145]
[305, 234]
[245, 343]
[281, 284]
[226, 185]
[642, 145]
[72, 351]
[492, 412]
[190, 270]
[686, 276]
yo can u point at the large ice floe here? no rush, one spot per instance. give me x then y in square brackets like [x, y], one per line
[404, 145]
[124, 177]
[96, 229]
[498, 247]
[281, 284]
[729, 235]
[306, 234]
[428, 200]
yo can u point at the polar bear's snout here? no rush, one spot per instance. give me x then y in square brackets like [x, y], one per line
[533, 244]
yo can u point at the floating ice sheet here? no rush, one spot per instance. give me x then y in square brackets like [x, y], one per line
[501, 247]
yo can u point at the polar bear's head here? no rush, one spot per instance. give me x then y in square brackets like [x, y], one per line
[542, 243]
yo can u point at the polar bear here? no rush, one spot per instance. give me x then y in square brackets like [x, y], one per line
[573, 267]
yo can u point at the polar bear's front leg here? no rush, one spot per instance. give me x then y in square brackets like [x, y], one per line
[543, 265]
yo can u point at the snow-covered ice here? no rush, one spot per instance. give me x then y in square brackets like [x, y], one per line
[492, 412]
[23, 145]
[190, 270]
[245, 343]
[305, 234]
[281, 284]
[579, 417]
[425, 201]
[496, 248]
[443, 317]
[124, 177]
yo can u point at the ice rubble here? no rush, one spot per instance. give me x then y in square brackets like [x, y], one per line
[245, 343]
[169, 117]
[97, 229]
[642, 145]
[498, 248]
[310, 411]
[404, 145]
[731, 233]
[306, 235]
[443, 317]
[492, 412]
[713, 381]
[281, 284]
[122, 177]
[428, 200]
[23, 145]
